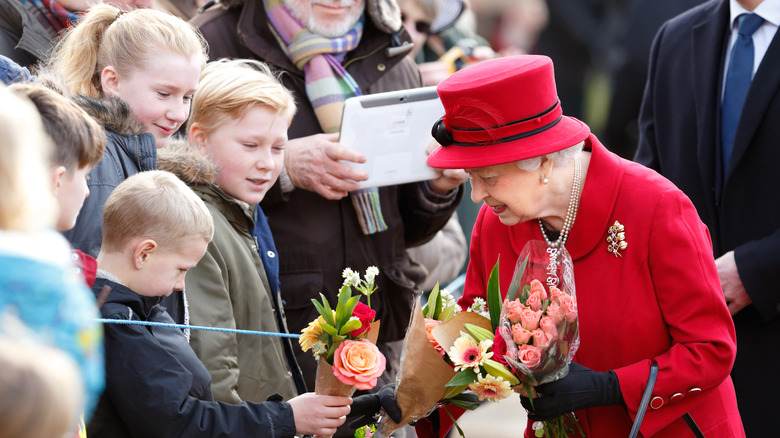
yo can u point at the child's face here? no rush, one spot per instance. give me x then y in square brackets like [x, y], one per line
[163, 271]
[71, 190]
[249, 153]
[160, 92]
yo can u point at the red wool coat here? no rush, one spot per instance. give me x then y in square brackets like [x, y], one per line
[660, 301]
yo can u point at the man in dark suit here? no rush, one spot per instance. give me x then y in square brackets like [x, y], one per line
[684, 126]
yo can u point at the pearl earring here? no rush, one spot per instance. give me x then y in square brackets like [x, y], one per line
[543, 179]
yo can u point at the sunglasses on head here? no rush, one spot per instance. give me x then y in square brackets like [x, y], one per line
[419, 26]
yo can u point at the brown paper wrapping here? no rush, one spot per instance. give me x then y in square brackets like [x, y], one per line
[327, 383]
[422, 378]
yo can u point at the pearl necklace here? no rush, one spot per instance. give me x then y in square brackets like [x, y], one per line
[571, 212]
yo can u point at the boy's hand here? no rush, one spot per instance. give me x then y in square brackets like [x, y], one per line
[319, 414]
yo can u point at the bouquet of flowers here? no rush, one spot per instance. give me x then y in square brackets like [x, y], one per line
[425, 367]
[538, 331]
[343, 339]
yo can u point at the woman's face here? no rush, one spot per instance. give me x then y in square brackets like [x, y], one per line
[159, 92]
[515, 195]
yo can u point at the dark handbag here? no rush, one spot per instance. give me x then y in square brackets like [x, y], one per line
[646, 401]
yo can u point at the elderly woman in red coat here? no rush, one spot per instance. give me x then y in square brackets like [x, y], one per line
[653, 296]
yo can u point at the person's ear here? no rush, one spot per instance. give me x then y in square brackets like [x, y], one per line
[546, 167]
[198, 138]
[57, 176]
[143, 252]
[109, 81]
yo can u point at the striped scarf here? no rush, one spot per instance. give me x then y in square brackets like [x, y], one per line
[327, 86]
[50, 14]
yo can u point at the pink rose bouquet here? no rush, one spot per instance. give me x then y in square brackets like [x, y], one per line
[343, 339]
[538, 327]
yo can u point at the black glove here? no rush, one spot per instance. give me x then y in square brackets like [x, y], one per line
[582, 388]
[368, 405]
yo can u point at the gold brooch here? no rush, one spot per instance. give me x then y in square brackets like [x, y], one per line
[616, 239]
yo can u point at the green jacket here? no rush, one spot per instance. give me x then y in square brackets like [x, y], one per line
[229, 289]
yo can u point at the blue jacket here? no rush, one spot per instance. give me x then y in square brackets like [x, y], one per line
[51, 299]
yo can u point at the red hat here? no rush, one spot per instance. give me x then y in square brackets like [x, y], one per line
[500, 111]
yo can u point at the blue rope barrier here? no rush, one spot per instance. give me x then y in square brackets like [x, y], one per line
[196, 327]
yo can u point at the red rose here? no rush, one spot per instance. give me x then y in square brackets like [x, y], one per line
[366, 316]
[499, 349]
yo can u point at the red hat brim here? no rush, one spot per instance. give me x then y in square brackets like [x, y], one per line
[567, 132]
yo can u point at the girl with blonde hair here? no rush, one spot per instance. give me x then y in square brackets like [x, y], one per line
[135, 72]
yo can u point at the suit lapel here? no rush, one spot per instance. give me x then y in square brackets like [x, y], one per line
[762, 91]
[707, 62]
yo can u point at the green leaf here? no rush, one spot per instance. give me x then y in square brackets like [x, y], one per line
[447, 313]
[494, 298]
[453, 391]
[329, 329]
[341, 315]
[350, 306]
[454, 423]
[478, 333]
[466, 400]
[328, 316]
[432, 308]
[511, 294]
[349, 326]
[327, 312]
[463, 378]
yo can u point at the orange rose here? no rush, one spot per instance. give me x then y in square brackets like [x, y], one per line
[358, 363]
[429, 325]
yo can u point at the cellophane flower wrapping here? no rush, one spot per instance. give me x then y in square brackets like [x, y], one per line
[538, 327]
[539, 316]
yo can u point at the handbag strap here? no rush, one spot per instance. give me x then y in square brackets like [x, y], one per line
[645, 400]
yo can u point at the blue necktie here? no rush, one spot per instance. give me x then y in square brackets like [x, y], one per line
[738, 77]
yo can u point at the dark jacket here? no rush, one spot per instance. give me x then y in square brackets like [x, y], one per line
[317, 238]
[680, 138]
[128, 151]
[157, 387]
[22, 37]
[229, 288]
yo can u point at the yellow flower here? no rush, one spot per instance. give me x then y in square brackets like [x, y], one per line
[491, 388]
[311, 334]
[466, 352]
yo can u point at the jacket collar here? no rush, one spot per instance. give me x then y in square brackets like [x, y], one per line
[597, 201]
[238, 213]
[122, 295]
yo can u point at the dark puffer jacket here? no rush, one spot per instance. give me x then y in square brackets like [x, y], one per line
[157, 387]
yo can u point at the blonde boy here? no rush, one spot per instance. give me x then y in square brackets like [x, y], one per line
[155, 229]
[240, 115]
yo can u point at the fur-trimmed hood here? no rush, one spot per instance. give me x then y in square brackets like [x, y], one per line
[385, 14]
[186, 162]
[112, 113]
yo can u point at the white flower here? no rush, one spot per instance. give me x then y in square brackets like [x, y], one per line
[479, 306]
[319, 349]
[447, 300]
[351, 278]
[371, 273]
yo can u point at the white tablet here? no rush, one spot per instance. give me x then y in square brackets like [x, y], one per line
[392, 130]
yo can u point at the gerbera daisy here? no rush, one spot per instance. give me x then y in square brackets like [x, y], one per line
[311, 334]
[466, 352]
[491, 388]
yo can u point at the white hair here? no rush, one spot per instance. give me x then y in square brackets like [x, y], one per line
[558, 158]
